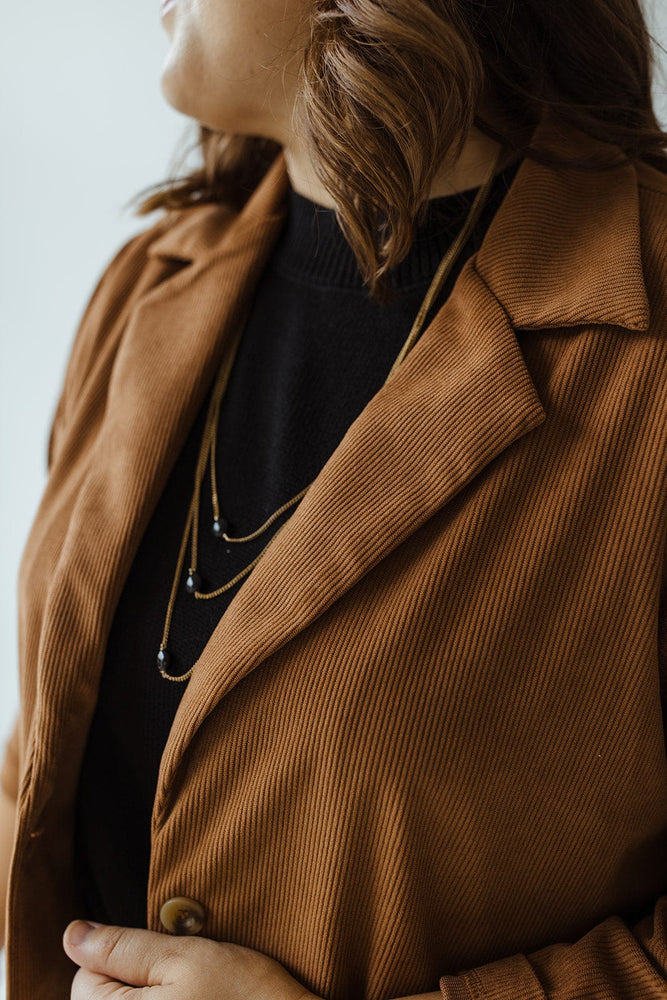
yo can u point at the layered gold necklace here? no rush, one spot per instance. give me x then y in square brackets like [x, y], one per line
[207, 450]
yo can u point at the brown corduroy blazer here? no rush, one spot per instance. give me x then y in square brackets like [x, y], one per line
[424, 747]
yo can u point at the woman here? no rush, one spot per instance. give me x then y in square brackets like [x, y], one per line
[343, 654]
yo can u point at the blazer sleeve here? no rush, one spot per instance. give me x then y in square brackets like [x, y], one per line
[613, 961]
[120, 278]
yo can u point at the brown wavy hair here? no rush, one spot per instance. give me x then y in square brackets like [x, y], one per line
[388, 90]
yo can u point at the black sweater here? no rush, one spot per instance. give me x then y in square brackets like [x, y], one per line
[314, 351]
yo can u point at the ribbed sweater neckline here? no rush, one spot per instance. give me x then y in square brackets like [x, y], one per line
[312, 249]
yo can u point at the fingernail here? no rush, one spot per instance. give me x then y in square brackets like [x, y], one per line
[78, 932]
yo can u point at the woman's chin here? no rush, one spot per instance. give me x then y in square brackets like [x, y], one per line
[183, 90]
[178, 94]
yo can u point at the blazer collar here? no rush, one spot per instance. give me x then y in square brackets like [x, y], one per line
[563, 248]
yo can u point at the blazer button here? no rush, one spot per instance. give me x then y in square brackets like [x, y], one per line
[181, 915]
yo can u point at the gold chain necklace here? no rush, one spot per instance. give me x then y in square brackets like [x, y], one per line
[207, 449]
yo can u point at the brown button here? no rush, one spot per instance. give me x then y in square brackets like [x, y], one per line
[181, 915]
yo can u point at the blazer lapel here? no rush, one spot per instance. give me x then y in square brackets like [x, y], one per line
[461, 398]
[169, 353]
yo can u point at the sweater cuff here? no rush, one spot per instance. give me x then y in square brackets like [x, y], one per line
[507, 977]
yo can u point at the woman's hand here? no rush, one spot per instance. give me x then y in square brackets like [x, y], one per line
[165, 967]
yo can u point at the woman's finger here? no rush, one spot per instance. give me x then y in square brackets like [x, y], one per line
[88, 985]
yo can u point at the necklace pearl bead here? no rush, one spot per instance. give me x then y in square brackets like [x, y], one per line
[220, 525]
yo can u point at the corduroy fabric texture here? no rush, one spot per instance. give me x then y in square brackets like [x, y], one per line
[424, 746]
[307, 364]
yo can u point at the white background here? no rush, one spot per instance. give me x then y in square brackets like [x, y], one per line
[85, 126]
